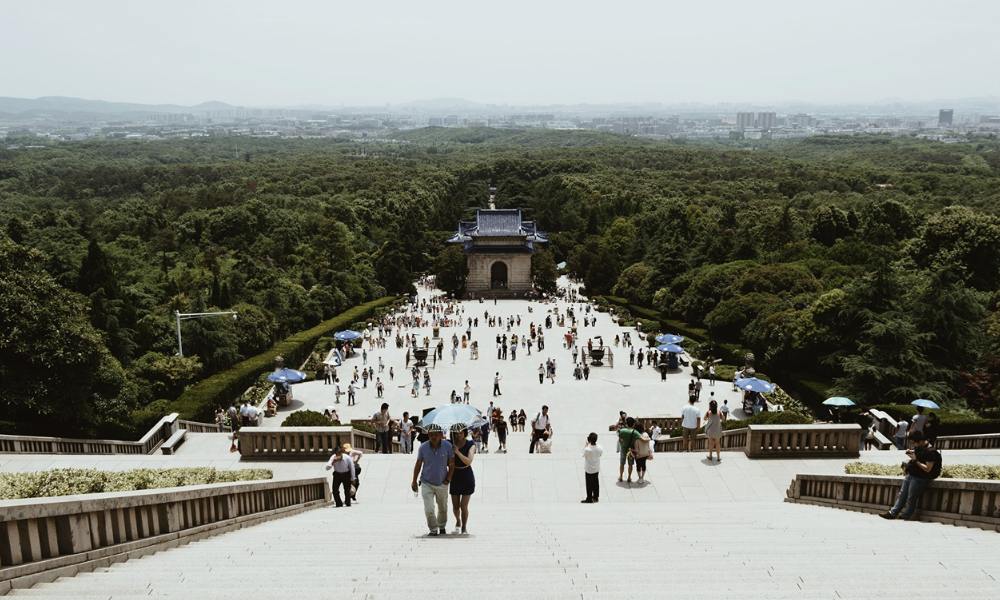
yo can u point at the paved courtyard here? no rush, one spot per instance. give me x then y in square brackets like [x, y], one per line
[576, 408]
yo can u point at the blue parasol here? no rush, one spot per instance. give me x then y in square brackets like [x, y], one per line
[287, 376]
[925, 403]
[674, 348]
[752, 384]
[838, 401]
[669, 338]
[347, 335]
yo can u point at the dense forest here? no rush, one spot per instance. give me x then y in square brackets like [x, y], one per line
[870, 263]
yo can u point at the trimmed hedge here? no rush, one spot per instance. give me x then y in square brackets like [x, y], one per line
[198, 402]
[951, 424]
[66, 482]
[990, 472]
[307, 418]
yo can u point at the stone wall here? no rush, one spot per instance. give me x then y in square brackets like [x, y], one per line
[518, 273]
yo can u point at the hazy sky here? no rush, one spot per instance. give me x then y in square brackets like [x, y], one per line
[292, 52]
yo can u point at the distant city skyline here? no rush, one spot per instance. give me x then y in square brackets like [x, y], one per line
[313, 52]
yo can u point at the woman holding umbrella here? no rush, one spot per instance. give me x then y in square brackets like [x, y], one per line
[463, 483]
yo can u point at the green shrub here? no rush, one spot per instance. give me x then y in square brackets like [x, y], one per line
[66, 482]
[990, 472]
[199, 401]
[307, 418]
[951, 423]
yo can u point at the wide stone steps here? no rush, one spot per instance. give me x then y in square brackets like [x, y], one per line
[554, 551]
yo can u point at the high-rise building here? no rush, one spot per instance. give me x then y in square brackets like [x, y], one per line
[766, 120]
[744, 120]
[944, 116]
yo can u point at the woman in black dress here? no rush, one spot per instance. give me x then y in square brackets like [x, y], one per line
[521, 420]
[463, 482]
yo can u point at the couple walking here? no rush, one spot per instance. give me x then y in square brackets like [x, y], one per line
[444, 468]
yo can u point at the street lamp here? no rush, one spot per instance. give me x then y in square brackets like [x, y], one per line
[185, 316]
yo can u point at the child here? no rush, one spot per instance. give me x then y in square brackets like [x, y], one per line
[591, 468]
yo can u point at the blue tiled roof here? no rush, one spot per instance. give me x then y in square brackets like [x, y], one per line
[498, 223]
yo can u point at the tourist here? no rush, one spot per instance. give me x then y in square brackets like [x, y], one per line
[592, 468]
[918, 421]
[540, 425]
[513, 420]
[496, 384]
[522, 420]
[383, 423]
[931, 428]
[724, 409]
[463, 483]
[541, 373]
[586, 372]
[416, 386]
[379, 387]
[697, 389]
[924, 465]
[343, 475]
[643, 452]
[336, 390]
[500, 426]
[220, 418]
[713, 429]
[435, 467]
[484, 431]
[326, 375]
[901, 427]
[545, 444]
[352, 389]
[465, 392]
[690, 423]
[356, 456]
[711, 374]
[627, 436]
[427, 382]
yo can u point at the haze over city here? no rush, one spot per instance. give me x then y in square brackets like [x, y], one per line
[310, 52]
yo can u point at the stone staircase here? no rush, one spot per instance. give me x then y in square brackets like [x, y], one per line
[566, 551]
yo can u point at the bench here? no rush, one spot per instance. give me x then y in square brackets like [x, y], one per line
[174, 442]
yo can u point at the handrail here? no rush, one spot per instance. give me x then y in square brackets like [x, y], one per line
[198, 427]
[148, 444]
[42, 539]
[967, 502]
[733, 439]
[303, 442]
[968, 442]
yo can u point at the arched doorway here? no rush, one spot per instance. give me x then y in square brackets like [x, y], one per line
[498, 276]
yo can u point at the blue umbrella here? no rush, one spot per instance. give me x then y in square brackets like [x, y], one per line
[287, 376]
[669, 338]
[925, 403]
[452, 414]
[838, 401]
[346, 336]
[752, 384]
[674, 348]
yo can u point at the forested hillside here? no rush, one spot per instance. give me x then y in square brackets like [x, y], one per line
[870, 262]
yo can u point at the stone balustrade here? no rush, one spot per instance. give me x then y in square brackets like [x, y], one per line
[42, 539]
[734, 439]
[968, 442]
[302, 442]
[196, 427]
[780, 441]
[966, 502]
[27, 444]
[789, 441]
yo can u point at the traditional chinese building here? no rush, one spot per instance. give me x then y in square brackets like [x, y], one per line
[498, 247]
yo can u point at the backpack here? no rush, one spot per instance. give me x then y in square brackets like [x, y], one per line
[936, 469]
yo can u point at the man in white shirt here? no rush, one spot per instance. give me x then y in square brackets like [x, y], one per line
[539, 425]
[405, 429]
[253, 415]
[711, 375]
[901, 428]
[343, 475]
[690, 422]
[918, 421]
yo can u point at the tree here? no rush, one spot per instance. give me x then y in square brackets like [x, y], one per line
[58, 375]
[451, 270]
[544, 273]
[393, 274]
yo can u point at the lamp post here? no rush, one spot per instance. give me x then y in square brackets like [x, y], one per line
[186, 316]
